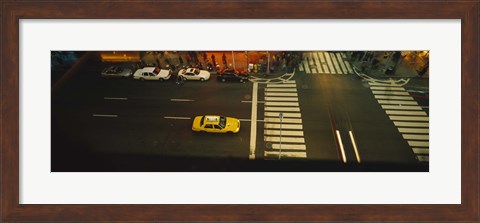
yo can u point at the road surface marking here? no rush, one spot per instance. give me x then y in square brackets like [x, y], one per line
[423, 158]
[401, 107]
[284, 120]
[269, 103]
[413, 130]
[281, 85]
[289, 82]
[253, 127]
[396, 102]
[314, 71]
[286, 154]
[107, 116]
[342, 65]
[420, 150]
[382, 84]
[398, 112]
[285, 139]
[251, 102]
[357, 155]
[305, 64]
[418, 143]
[348, 67]
[285, 114]
[178, 99]
[281, 94]
[385, 88]
[329, 62]
[281, 98]
[284, 132]
[339, 139]
[284, 126]
[332, 56]
[282, 89]
[408, 118]
[173, 117]
[415, 137]
[411, 124]
[300, 67]
[112, 98]
[289, 146]
[324, 64]
[391, 92]
[393, 97]
[289, 109]
[248, 120]
[317, 63]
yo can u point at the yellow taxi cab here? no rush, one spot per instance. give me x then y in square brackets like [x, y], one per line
[216, 124]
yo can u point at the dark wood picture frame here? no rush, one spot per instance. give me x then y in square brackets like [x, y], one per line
[13, 10]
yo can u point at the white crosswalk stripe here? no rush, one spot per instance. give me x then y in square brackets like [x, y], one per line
[335, 63]
[329, 62]
[324, 63]
[342, 65]
[320, 62]
[407, 116]
[317, 63]
[285, 135]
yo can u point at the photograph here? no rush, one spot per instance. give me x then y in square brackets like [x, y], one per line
[240, 111]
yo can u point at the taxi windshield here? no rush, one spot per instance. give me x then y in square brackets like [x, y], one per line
[156, 71]
[223, 122]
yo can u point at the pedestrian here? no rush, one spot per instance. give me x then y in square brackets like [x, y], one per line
[224, 59]
[180, 59]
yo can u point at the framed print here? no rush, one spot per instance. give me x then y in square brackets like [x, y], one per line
[239, 111]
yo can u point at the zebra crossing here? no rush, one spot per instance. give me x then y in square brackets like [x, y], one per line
[283, 136]
[325, 63]
[409, 118]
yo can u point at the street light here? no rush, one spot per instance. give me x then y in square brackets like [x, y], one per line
[280, 146]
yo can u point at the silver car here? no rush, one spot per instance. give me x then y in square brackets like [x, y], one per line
[115, 72]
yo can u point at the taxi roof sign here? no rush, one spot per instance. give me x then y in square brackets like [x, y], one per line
[211, 118]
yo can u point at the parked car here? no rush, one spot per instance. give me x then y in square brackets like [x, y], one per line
[152, 73]
[116, 72]
[232, 75]
[215, 124]
[194, 74]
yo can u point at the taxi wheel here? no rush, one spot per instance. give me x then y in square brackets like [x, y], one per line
[223, 80]
[142, 79]
[229, 132]
[241, 80]
[161, 79]
[202, 79]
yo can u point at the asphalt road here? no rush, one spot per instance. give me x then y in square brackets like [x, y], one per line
[128, 125]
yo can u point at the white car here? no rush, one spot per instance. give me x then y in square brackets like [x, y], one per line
[114, 71]
[194, 74]
[152, 73]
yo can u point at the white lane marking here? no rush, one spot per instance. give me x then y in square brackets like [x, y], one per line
[339, 139]
[401, 107]
[383, 84]
[251, 102]
[413, 130]
[423, 158]
[305, 64]
[284, 132]
[399, 112]
[393, 97]
[418, 143]
[311, 59]
[253, 128]
[415, 137]
[180, 99]
[347, 64]
[249, 120]
[342, 65]
[285, 139]
[411, 124]
[385, 88]
[113, 98]
[286, 154]
[289, 82]
[107, 116]
[282, 85]
[397, 102]
[314, 71]
[329, 62]
[285, 114]
[281, 94]
[317, 63]
[391, 92]
[300, 67]
[289, 146]
[332, 56]
[420, 150]
[408, 118]
[284, 120]
[357, 155]
[284, 126]
[281, 89]
[269, 103]
[173, 117]
[281, 98]
[289, 109]
[324, 64]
